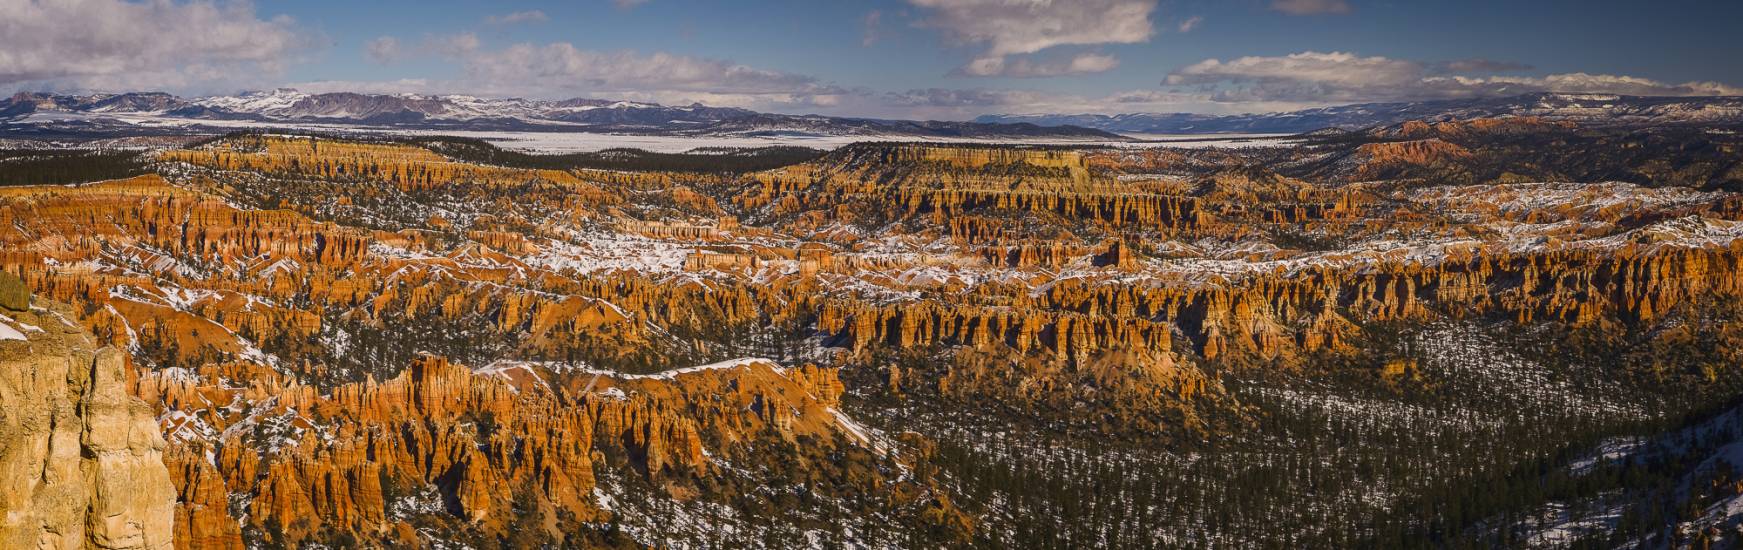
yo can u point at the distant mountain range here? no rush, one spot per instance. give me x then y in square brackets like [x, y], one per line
[1585, 109]
[145, 112]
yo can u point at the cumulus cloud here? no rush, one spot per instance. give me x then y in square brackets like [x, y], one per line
[1311, 7]
[1190, 23]
[527, 16]
[154, 44]
[1334, 77]
[1013, 27]
[1022, 67]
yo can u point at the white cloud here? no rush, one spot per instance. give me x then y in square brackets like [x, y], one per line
[154, 44]
[1022, 67]
[628, 4]
[1190, 23]
[1015, 27]
[527, 16]
[1339, 77]
[1311, 7]
[1333, 68]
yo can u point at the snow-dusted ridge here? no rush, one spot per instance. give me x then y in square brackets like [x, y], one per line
[506, 367]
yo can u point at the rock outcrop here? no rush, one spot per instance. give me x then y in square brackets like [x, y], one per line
[83, 460]
[486, 444]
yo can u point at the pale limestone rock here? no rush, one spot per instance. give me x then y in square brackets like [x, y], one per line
[81, 461]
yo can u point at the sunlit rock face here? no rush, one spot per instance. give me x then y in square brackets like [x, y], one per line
[83, 459]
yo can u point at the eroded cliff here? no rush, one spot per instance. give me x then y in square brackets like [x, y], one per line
[83, 460]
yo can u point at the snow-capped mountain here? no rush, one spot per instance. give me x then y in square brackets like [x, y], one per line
[1587, 109]
[25, 112]
[145, 103]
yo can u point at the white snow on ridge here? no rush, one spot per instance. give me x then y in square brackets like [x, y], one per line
[255, 102]
[505, 368]
[583, 142]
[602, 251]
[723, 365]
[1586, 198]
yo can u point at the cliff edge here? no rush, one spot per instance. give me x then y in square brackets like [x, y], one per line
[81, 461]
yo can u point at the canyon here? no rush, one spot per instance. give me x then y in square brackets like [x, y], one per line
[286, 340]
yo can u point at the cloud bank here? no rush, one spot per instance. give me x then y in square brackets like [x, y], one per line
[1007, 28]
[74, 44]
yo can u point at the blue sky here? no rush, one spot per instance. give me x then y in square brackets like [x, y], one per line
[887, 58]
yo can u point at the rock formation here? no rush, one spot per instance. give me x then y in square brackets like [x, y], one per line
[83, 459]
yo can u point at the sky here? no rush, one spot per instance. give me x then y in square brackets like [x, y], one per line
[922, 59]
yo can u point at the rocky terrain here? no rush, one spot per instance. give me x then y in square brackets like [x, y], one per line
[84, 460]
[1370, 339]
